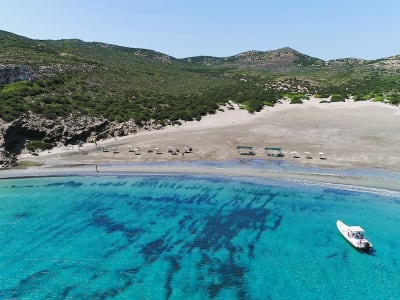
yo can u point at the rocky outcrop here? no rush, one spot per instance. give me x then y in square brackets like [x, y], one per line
[71, 130]
[7, 160]
[10, 74]
[116, 129]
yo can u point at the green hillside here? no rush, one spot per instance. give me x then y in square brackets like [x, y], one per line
[60, 78]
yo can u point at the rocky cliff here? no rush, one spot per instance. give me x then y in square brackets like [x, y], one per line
[6, 159]
[73, 130]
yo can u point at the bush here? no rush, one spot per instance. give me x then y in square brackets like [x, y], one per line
[337, 98]
[296, 101]
[253, 106]
[296, 98]
[35, 145]
[359, 98]
[394, 99]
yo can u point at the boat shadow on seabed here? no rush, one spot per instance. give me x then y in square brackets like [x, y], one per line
[370, 251]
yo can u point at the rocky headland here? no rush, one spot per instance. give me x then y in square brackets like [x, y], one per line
[16, 135]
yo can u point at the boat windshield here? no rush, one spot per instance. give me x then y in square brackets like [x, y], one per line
[358, 235]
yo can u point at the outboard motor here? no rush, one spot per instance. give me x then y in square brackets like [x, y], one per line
[367, 246]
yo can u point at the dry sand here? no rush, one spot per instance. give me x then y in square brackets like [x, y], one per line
[351, 134]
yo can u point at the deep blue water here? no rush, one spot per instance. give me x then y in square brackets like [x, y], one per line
[193, 237]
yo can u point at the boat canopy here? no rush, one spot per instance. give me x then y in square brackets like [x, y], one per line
[356, 229]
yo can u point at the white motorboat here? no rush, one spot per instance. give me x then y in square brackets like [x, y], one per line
[355, 235]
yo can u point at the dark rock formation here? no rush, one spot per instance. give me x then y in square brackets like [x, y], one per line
[70, 130]
[10, 74]
[7, 160]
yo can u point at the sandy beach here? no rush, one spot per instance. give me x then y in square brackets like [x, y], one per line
[350, 134]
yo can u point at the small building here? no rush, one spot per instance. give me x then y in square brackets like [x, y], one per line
[245, 150]
[274, 152]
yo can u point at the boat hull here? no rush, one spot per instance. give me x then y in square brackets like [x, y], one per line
[359, 243]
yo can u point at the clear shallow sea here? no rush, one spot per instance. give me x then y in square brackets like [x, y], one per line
[192, 237]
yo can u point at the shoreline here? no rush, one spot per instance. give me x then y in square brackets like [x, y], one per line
[386, 181]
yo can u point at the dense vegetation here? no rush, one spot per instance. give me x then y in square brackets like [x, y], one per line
[70, 77]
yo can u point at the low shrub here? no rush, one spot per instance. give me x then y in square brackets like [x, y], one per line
[38, 145]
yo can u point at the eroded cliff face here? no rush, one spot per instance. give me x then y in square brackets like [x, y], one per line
[6, 158]
[68, 131]
[72, 130]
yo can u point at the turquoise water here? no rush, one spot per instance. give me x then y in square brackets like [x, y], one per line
[193, 237]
